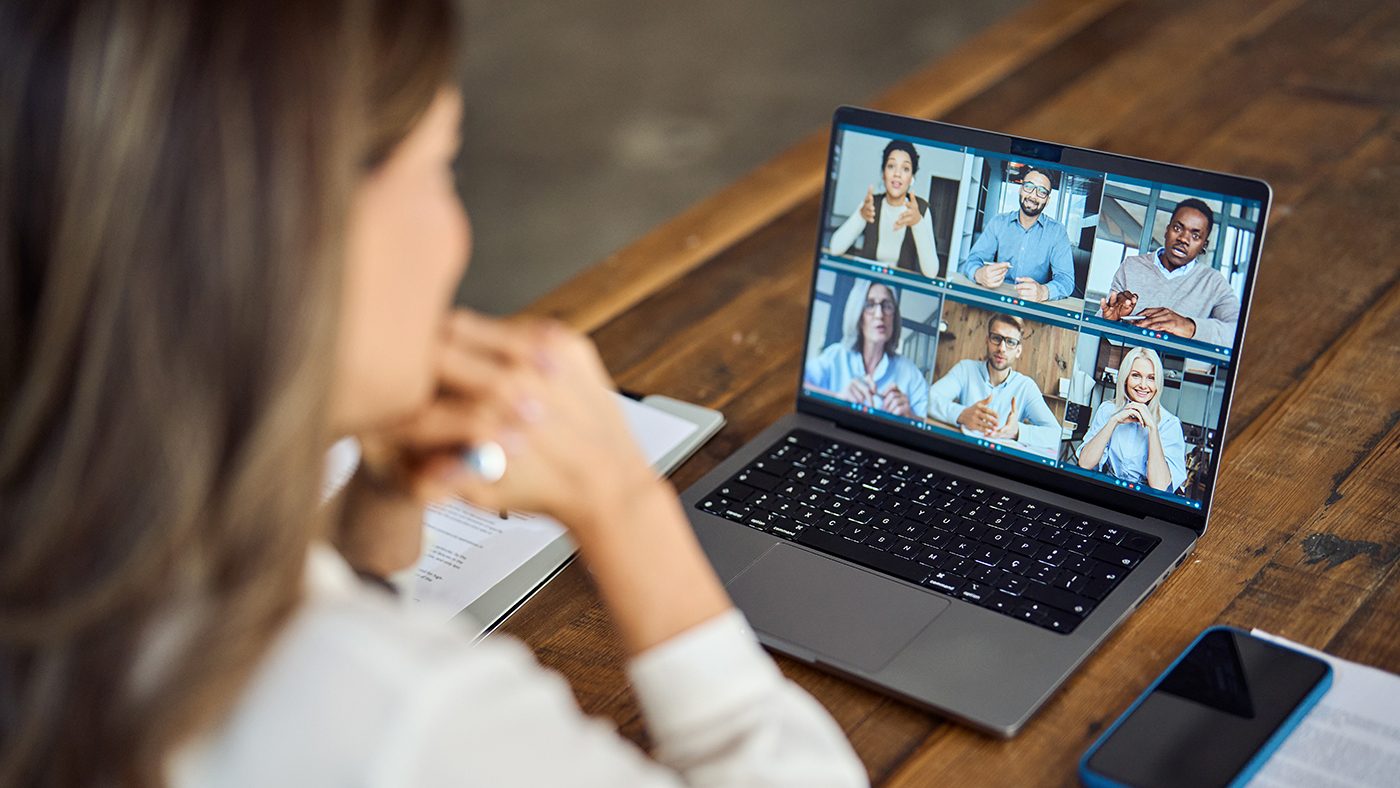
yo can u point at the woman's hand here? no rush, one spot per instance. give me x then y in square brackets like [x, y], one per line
[911, 215]
[485, 374]
[861, 391]
[1142, 415]
[867, 207]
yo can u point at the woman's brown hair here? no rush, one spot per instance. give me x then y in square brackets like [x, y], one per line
[174, 180]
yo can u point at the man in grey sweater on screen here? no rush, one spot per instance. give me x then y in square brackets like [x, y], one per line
[1178, 294]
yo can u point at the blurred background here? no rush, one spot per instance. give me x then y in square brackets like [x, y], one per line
[590, 122]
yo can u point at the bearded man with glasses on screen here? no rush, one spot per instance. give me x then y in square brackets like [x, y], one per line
[987, 397]
[1024, 247]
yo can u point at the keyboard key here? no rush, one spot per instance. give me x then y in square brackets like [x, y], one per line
[1004, 502]
[1018, 564]
[962, 547]
[1071, 582]
[737, 512]
[970, 529]
[846, 490]
[836, 506]
[1042, 573]
[1059, 622]
[1079, 544]
[1058, 598]
[758, 479]
[736, 491]
[856, 532]
[1030, 510]
[1142, 543]
[1033, 612]
[997, 538]
[1079, 564]
[1105, 571]
[859, 514]
[1097, 589]
[949, 584]
[1000, 602]
[988, 555]
[1111, 534]
[785, 529]
[885, 522]
[1012, 584]
[1055, 517]
[1115, 555]
[1026, 547]
[1055, 536]
[713, 504]
[1023, 527]
[985, 574]
[939, 539]
[910, 529]
[906, 548]
[880, 541]
[1081, 527]
[931, 557]
[1051, 555]
[973, 591]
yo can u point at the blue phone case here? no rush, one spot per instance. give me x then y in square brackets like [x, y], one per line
[1096, 780]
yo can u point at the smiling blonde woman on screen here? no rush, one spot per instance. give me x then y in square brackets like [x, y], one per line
[230, 235]
[1132, 434]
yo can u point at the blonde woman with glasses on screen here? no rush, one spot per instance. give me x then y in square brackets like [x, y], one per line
[231, 236]
[1132, 436]
[865, 367]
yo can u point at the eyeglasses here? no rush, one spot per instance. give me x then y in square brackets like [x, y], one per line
[884, 305]
[1031, 187]
[998, 339]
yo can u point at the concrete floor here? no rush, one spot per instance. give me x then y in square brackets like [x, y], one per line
[590, 122]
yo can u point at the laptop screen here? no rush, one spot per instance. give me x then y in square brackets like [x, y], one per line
[1083, 320]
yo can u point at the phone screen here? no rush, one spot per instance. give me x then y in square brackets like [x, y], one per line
[1204, 721]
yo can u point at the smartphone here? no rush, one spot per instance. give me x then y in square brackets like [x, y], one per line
[1212, 718]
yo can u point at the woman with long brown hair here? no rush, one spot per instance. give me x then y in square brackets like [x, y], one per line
[229, 236]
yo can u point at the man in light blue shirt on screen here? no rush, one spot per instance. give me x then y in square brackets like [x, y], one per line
[987, 397]
[1024, 247]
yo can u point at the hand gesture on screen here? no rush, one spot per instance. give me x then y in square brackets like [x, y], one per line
[911, 215]
[862, 392]
[896, 402]
[1030, 289]
[991, 274]
[1118, 305]
[979, 416]
[1009, 428]
[1141, 415]
[867, 208]
[1159, 318]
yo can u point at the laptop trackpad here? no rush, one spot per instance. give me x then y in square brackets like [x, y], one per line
[842, 613]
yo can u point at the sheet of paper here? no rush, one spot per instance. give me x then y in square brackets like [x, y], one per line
[1350, 738]
[467, 550]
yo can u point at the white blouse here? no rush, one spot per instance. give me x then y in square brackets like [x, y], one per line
[361, 690]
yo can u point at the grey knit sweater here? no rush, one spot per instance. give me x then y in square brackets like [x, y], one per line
[1202, 294]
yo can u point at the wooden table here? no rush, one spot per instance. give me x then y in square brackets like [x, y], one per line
[1305, 531]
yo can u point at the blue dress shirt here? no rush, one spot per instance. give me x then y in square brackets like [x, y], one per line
[839, 364]
[1041, 253]
[968, 382]
[1127, 446]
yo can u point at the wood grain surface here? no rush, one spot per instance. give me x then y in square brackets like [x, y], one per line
[1305, 530]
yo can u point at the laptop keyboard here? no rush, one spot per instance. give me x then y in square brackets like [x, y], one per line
[966, 540]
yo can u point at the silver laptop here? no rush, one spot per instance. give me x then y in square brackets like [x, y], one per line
[1010, 411]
